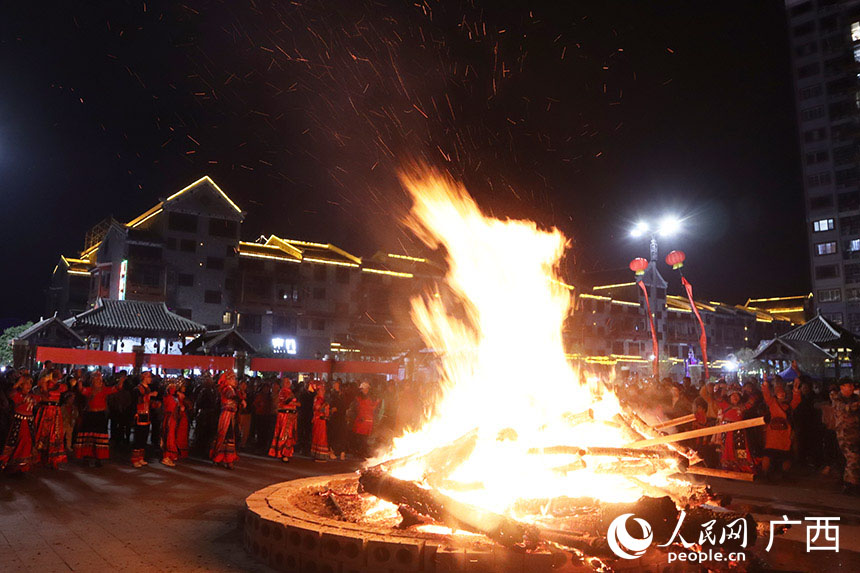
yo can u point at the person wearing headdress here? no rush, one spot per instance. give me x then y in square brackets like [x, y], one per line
[223, 450]
[17, 455]
[141, 420]
[364, 412]
[777, 433]
[319, 432]
[186, 405]
[92, 441]
[737, 454]
[172, 408]
[284, 439]
[49, 438]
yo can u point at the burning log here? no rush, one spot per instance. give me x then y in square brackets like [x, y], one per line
[571, 467]
[638, 426]
[631, 453]
[713, 472]
[580, 418]
[675, 422]
[504, 530]
[709, 431]
[627, 468]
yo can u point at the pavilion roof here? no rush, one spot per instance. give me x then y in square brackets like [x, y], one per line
[216, 339]
[134, 318]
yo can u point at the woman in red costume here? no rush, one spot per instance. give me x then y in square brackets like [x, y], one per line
[186, 406]
[92, 440]
[736, 455]
[224, 448]
[285, 427]
[49, 443]
[18, 452]
[319, 434]
[170, 426]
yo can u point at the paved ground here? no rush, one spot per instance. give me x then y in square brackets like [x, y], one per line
[186, 519]
[117, 518]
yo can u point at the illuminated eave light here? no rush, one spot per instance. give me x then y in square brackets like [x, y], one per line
[328, 262]
[272, 257]
[407, 258]
[215, 185]
[391, 273]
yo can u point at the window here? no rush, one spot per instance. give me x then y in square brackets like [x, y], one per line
[816, 157]
[212, 297]
[227, 318]
[822, 202]
[853, 245]
[855, 31]
[188, 245]
[223, 228]
[186, 280]
[847, 177]
[811, 113]
[822, 225]
[250, 322]
[806, 49]
[848, 201]
[852, 273]
[835, 66]
[801, 9]
[288, 293]
[215, 263]
[844, 155]
[183, 222]
[283, 324]
[841, 109]
[852, 294]
[319, 324]
[320, 272]
[849, 225]
[813, 135]
[808, 70]
[840, 86]
[834, 317]
[819, 179]
[823, 272]
[319, 294]
[830, 295]
[171, 243]
[144, 275]
[810, 92]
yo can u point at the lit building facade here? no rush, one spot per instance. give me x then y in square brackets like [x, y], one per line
[285, 296]
[825, 51]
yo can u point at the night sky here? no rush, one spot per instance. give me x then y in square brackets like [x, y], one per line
[583, 115]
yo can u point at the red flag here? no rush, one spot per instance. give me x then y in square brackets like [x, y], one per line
[655, 346]
[703, 336]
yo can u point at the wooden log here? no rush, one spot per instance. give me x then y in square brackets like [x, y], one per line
[714, 472]
[639, 426]
[675, 422]
[579, 418]
[448, 511]
[701, 432]
[627, 468]
[571, 467]
[630, 453]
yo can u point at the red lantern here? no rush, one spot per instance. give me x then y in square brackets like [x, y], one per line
[638, 266]
[676, 259]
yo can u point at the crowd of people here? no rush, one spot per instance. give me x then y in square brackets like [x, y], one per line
[810, 425]
[52, 417]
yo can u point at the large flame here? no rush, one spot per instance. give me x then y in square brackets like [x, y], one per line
[498, 332]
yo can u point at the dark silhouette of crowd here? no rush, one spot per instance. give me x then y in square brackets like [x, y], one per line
[811, 427]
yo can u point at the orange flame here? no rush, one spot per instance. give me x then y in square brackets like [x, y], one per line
[498, 334]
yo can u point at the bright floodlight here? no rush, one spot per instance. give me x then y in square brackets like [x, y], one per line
[640, 229]
[670, 226]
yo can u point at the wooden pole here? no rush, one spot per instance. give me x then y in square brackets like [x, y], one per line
[710, 431]
[713, 472]
[675, 422]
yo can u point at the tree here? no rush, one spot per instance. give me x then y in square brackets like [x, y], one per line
[6, 341]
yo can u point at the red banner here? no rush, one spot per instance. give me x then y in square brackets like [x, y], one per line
[80, 357]
[190, 362]
[655, 346]
[703, 336]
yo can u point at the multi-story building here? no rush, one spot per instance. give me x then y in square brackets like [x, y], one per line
[284, 295]
[825, 51]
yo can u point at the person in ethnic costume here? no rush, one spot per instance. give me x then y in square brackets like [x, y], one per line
[285, 427]
[92, 442]
[224, 448]
[182, 429]
[49, 438]
[846, 412]
[778, 432]
[364, 409]
[18, 450]
[141, 420]
[319, 433]
[736, 455]
[173, 411]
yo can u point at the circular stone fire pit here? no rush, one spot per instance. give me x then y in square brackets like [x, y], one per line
[286, 527]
